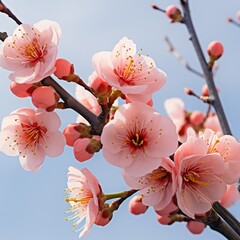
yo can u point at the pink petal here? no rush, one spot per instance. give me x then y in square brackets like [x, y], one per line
[54, 145]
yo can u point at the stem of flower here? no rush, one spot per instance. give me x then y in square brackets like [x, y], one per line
[116, 204]
[124, 194]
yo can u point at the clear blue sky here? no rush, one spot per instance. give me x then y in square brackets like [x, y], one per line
[32, 205]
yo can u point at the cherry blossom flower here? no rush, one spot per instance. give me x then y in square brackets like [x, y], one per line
[130, 72]
[83, 190]
[156, 188]
[201, 172]
[31, 52]
[138, 138]
[32, 135]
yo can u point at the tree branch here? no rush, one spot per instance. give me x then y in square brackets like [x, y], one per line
[216, 103]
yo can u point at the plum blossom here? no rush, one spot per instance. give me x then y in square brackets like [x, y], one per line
[204, 166]
[183, 119]
[32, 135]
[158, 187]
[138, 138]
[31, 52]
[133, 74]
[83, 190]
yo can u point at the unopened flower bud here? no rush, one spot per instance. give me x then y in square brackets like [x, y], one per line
[164, 220]
[215, 50]
[76, 130]
[197, 118]
[136, 206]
[45, 97]
[22, 90]
[229, 19]
[174, 13]
[195, 227]
[79, 149]
[205, 90]
[99, 86]
[63, 68]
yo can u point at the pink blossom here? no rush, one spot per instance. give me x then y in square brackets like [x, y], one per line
[133, 74]
[31, 52]
[156, 188]
[201, 171]
[137, 139]
[231, 196]
[83, 191]
[32, 135]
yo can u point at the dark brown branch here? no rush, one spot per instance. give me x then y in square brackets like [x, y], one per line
[216, 103]
[72, 103]
[7, 11]
[207, 72]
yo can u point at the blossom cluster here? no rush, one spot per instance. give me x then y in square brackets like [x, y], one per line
[181, 163]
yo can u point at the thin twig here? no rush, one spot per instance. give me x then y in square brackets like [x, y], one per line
[7, 11]
[155, 7]
[180, 58]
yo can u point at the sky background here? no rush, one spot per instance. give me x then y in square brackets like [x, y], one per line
[32, 204]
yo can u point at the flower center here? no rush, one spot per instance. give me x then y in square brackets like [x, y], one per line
[194, 177]
[137, 140]
[32, 134]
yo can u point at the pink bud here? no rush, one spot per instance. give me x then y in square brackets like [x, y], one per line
[63, 68]
[229, 19]
[196, 118]
[136, 206]
[71, 134]
[22, 90]
[99, 86]
[79, 149]
[205, 91]
[215, 50]
[45, 97]
[238, 15]
[165, 220]
[104, 217]
[195, 227]
[174, 13]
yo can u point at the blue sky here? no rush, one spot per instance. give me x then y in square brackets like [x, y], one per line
[32, 204]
